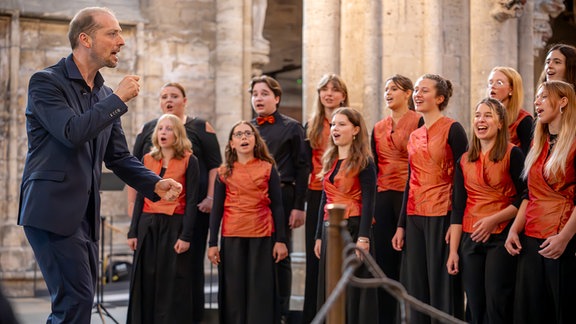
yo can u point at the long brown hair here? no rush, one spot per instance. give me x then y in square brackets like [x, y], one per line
[558, 155]
[360, 152]
[180, 146]
[499, 149]
[260, 149]
[316, 123]
[569, 53]
[405, 84]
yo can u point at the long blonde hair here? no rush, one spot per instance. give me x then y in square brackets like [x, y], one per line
[556, 164]
[316, 124]
[182, 143]
[360, 152]
[516, 99]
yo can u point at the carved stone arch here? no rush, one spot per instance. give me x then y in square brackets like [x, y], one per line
[544, 11]
[506, 9]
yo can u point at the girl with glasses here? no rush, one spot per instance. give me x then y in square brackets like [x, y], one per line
[505, 85]
[248, 208]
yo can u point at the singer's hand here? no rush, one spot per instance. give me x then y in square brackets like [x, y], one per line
[168, 189]
[128, 88]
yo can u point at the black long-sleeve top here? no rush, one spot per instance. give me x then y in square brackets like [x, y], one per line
[460, 195]
[285, 140]
[524, 131]
[367, 177]
[458, 142]
[275, 195]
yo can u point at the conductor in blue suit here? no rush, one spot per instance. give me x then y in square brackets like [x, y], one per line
[73, 125]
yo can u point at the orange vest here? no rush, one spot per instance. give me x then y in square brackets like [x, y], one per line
[391, 148]
[345, 190]
[489, 187]
[431, 170]
[247, 210]
[176, 170]
[512, 127]
[315, 183]
[551, 201]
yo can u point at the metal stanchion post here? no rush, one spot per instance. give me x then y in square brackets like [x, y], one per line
[334, 249]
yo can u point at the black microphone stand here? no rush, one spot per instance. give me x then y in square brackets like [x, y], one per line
[99, 305]
[109, 181]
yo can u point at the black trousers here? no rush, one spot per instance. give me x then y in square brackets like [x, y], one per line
[311, 284]
[69, 265]
[284, 267]
[423, 270]
[545, 288]
[388, 205]
[489, 276]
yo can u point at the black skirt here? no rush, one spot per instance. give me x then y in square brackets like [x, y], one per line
[161, 284]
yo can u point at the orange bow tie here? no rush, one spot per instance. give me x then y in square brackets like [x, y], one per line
[261, 120]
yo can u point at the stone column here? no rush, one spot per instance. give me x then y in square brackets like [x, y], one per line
[495, 34]
[433, 38]
[360, 56]
[456, 40]
[352, 49]
[401, 19]
[374, 89]
[526, 54]
[233, 64]
[321, 47]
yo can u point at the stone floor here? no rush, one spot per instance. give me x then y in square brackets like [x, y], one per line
[34, 310]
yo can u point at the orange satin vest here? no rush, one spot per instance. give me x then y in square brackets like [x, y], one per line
[512, 127]
[315, 183]
[176, 170]
[489, 187]
[391, 147]
[431, 170]
[551, 201]
[345, 190]
[247, 210]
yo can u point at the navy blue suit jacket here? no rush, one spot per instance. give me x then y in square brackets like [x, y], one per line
[71, 131]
